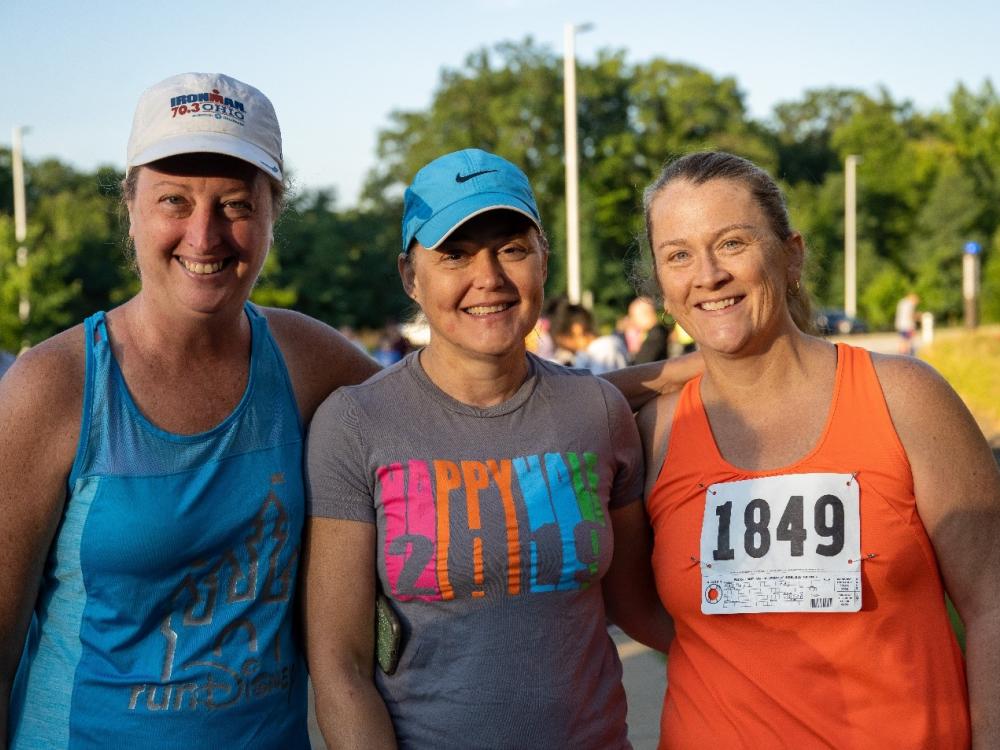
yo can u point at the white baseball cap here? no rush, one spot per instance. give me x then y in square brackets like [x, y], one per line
[205, 112]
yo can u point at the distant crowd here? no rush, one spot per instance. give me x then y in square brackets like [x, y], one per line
[566, 333]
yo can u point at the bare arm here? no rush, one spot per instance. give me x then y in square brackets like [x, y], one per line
[40, 404]
[957, 488]
[319, 358]
[630, 597]
[338, 597]
[641, 383]
[629, 590]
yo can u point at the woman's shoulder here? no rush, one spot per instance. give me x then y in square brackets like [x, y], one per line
[41, 399]
[319, 358]
[576, 382]
[912, 388]
[378, 397]
[51, 372]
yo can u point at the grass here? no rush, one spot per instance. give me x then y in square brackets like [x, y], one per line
[970, 362]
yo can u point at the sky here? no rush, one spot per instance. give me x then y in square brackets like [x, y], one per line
[336, 69]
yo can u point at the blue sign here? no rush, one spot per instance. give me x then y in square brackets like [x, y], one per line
[973, 248]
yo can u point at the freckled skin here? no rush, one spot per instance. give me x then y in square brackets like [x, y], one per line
[208, 215]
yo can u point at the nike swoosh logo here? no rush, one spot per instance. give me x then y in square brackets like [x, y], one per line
[272, 167]
[459, 177]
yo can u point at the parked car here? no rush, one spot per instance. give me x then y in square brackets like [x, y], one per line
[837, 322]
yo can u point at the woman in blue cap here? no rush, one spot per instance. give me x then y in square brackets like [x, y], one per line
[151, 493]
[481, 489]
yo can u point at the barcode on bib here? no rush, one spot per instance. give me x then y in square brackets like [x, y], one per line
[822, 602]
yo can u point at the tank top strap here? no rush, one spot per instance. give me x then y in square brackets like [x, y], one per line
[270, 372]
[691, 451]
[114, 434]
[691, 422]
[94, 418]
[860, 423]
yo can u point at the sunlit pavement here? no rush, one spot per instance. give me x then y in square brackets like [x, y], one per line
[645, 681]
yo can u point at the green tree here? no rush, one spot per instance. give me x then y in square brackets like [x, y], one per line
[340, 266]
[945, 222]
[804, 133]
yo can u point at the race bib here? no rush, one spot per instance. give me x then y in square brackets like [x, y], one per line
[788, 543]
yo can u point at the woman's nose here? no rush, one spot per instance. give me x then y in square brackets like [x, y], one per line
[489, 273]
[710, 273]
[203, 230]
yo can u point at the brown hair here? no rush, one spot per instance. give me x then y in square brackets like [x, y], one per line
[703, 166]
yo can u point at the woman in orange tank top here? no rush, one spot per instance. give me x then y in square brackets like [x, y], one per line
[811, 504]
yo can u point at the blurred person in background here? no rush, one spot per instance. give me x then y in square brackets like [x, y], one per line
[653, 338]
[906, 323]
[481, 488]
[573, 330]
[812, 503]
[151, 489]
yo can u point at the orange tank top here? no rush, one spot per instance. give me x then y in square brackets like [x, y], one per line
[888, 676]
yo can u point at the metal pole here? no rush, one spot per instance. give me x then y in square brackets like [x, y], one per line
[572, 171]
[970, 287]
[20, 222]
[851, 235]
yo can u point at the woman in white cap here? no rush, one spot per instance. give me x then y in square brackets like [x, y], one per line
[150, 465]
[481, 488]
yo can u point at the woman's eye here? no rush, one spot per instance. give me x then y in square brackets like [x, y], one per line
[731, 244]
[678, 256]
[513, 252]
[238, 208]
[172, 200]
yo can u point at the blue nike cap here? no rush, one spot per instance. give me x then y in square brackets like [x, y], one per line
[457, 186]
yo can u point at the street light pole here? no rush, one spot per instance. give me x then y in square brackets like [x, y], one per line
[572, 169]
[851, 235]
[20, 221]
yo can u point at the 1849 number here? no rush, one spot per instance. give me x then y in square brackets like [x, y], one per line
[828, 522]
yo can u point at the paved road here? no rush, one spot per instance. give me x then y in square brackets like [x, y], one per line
[645, 680]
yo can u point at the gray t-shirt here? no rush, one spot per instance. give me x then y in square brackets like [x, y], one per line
[493, 534]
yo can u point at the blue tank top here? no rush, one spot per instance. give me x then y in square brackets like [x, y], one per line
[164, 618]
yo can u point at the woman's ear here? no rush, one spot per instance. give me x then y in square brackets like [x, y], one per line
[404, 264]
[796, 249]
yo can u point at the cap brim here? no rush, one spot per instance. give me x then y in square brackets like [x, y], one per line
[437, 229]
[212, 143]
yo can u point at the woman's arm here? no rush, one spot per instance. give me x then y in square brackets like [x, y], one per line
[957, 487]
[630, 597]
[338, 597]
[641, 383]
[40, 405]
